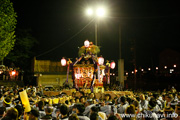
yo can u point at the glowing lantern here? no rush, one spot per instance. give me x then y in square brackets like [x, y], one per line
[101, 60]
[157, 68]
[13, 73]
[165, 67]
[113, 64]
[25, 101]
[86, 43]
[63, 62]
[174, 65]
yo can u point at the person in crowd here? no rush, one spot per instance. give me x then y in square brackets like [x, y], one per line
[80, 108]
[20, 111]
[73, 117]
[64, 112]
[11, 114]
[143, 103]
[130, 113]
[112, 117]
[2, 111]
[123, 105]
[94, 116]
[82, 99]
[34, 114]
[107, 98]
[48, 111]
[149, 113]
[88, 105]
[40, 105]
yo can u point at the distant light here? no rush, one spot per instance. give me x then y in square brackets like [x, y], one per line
[174, 65]
[142, 70]
[89, 11]
[127, 73]
[149, 69]
[40, 74]
[132, 72]
[113, 74]
[100, 12]
[165, 67]
[172, 70]
[157, 68]
[63, 62]
[136, 71]
[13, 73]
[86, 43]
[113, 64]
[101, 60]
[110, 73]
[1, 72]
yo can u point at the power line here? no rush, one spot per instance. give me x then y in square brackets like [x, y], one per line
[65, 40]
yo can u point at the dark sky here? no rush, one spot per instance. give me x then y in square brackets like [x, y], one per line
[149, 25]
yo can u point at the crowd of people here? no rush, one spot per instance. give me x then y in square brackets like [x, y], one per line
[141, 105]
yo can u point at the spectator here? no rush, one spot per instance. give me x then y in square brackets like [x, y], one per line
[64, 112]
[11, 114]
[123, 105]
[80, 108]
[73, 117]
[2, 111]
[20, 111]
[34, 114]
[48, 111]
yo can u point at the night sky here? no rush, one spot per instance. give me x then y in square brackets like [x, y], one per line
[149, 25]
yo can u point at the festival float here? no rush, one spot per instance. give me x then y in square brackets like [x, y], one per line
[89, 70]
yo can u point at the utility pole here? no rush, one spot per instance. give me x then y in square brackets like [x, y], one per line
[96, 31]
[120, 61]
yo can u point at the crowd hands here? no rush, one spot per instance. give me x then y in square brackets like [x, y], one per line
[141, 105]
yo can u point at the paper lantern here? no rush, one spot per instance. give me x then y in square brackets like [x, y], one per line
[13, 72]
[86, 43]
[63, 62]
[25, 101]
[101, 60]
[113, 64]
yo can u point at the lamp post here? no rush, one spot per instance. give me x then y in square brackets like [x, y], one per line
[97, 13]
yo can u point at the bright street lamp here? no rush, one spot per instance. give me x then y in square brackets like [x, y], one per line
[100, 12]
[96, 13]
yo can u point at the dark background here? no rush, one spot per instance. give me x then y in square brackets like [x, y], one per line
[147, 26]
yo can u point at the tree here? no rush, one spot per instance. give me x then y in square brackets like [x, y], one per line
[22, 53]
[7, 28]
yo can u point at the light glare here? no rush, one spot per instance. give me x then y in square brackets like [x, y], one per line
[100, 12]
[89, 11]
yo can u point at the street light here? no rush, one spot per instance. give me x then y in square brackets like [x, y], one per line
[100, 12]
[96, 13]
